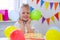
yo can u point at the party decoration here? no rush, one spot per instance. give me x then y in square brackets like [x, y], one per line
[37, 1]
[52, 34]
[57, 16]
[9, 30]
[35, 15]
[32, 0]
[46, 5]
[51, 5]
[13, 15]
[31, 9]
[5, 14]
[55, 5]
[52, 18]
[17, 35]
[48, 21]
[1, 17]
[42, 2]
[59, 4]
[33, 35]
[43, 19]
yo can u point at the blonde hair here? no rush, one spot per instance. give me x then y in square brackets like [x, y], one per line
[24, 5]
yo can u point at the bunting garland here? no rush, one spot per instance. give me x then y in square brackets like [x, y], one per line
[57, 15]
[47, 4]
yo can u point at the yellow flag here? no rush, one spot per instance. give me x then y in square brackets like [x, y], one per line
[46, 5]
[52, 18]
[1, 17]
[59, 15]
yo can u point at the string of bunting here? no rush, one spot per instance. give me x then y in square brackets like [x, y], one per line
[47, 4]
[57, 16]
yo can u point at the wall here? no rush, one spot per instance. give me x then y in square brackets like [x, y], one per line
[46, 13]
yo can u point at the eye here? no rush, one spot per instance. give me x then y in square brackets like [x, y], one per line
[23, 12]
[27, 12]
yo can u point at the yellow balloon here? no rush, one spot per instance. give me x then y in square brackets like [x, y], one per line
[52, 35]
[9, 30]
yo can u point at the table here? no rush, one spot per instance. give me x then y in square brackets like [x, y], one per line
[26, 39]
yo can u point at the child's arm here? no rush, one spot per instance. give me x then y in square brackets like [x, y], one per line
[21, 26]
[28, 27]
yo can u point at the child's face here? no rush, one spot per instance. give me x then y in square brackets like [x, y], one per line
[25, 14]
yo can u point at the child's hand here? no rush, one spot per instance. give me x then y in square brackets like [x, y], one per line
[28, 22]
[20, 22]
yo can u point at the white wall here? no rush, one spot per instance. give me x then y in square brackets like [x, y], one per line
[46, 13]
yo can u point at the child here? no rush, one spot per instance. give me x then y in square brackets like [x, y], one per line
[24, 22]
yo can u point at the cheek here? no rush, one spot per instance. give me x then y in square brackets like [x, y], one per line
[22, 15]
[28, 15]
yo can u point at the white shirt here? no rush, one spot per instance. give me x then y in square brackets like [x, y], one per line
[34, 25]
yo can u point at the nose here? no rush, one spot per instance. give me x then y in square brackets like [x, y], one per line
[25, 13]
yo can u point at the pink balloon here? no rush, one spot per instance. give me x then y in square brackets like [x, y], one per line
[17, 35]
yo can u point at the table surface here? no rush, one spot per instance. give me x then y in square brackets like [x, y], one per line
[26, 39]
[30, 36]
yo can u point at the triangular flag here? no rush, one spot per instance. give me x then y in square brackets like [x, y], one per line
[51, 5]
[57, 16]
[53, 19]
[59, 4]
[31, 9]
[46, 4]
[37, 1]
[32, 0]
[48, 21]
[55, 5]
[43, 19]
[42, 2]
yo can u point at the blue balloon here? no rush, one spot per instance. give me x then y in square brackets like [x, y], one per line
[31, 9]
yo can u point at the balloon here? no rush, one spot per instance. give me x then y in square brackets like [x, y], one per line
[35, 15]
[52, 34]
[9, 30]
[13, 15]
[17, 35]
